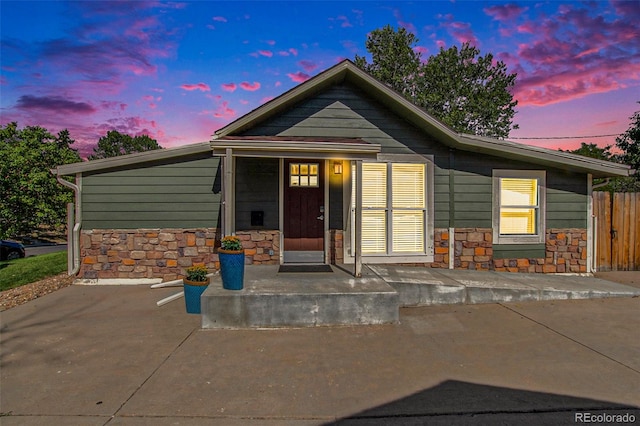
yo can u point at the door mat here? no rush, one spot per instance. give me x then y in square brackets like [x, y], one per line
[305, 268]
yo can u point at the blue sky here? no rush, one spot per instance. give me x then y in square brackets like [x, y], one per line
[180, 70]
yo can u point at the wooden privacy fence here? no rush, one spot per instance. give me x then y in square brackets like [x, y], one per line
[617, 231]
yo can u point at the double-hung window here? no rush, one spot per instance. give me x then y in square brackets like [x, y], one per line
[518, 206]
[394, 209]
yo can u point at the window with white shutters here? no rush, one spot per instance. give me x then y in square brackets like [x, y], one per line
[393, 208]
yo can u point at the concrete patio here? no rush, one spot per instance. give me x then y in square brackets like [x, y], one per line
[274, 299]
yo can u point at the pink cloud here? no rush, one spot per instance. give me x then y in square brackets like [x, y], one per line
[574, 54]
[462, 32]
[283, 53]
[200, 86]
[528, 27]
[266, 53]
[270, 42]
[219, 19]
[141, 29]
[504, 12]
[308, 66]
[293, 51]
[404, 24]
[245, 85]
[298, 77]
[229, 87]
[421, 50]
[54, 104]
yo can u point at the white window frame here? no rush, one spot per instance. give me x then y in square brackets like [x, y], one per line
[539, 236]
[389, 256]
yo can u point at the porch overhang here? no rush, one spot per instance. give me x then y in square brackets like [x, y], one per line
[295, 147]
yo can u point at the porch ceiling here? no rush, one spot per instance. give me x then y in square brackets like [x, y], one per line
[295, 146]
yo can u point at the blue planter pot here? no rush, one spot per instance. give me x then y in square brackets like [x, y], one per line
[231, 269]
[192, 292]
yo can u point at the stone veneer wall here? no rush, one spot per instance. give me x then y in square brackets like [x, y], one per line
[165, 253]
[565, 252]
[260, 247]
[336, 247]
[146, 253]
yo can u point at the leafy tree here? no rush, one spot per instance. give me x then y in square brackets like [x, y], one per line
[393, 59]
[594, 151]
[468, 92]
[629, 144]
[30, 194]
[601, 153]
[116, 143]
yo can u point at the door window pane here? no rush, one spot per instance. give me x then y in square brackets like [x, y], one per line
[304, 174]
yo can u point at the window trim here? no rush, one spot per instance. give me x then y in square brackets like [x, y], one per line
[539, 237]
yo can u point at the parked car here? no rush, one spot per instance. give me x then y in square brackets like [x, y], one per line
[10, 250]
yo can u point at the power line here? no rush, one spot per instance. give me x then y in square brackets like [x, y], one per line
[571, 137]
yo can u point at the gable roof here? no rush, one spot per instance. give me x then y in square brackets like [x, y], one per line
[347, 71]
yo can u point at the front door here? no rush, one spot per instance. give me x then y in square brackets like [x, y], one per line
[304, 211]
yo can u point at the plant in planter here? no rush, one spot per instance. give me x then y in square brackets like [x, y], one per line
[231, 257]
[195, 283]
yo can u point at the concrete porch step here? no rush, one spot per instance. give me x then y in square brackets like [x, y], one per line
[272, 299]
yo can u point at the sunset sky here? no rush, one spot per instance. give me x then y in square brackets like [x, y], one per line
[180, 70]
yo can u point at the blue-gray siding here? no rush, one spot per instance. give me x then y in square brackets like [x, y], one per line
[178, 194]
[257, 190]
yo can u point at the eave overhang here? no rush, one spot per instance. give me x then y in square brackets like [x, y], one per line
[296, 147]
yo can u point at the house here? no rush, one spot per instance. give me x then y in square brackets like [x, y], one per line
[340, 169]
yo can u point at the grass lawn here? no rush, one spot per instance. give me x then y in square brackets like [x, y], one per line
[14, 273]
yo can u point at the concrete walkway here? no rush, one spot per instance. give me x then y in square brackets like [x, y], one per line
[98, 355]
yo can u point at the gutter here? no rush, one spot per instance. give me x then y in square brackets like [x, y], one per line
[73, 235]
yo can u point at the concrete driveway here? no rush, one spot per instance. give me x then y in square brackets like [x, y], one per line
[108, 355]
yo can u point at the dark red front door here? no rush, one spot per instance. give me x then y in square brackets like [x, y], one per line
[304, 210]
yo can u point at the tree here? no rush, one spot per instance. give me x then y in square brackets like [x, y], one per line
[30, 193]
[468, 92]
[601, 153]
[116, 143]
[393, 59]
[594, 151]
[629, 144]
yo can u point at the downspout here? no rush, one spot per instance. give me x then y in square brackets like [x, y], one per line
[73, 236]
